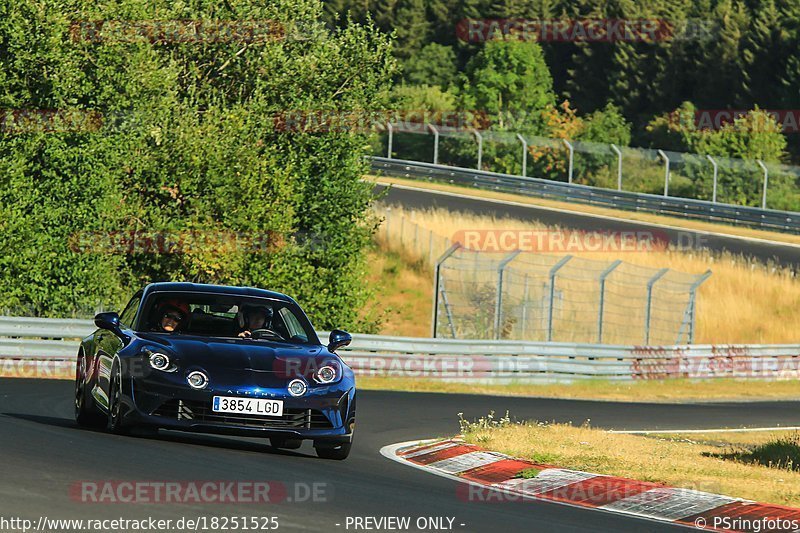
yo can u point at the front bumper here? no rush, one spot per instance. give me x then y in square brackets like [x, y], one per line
[323, 413]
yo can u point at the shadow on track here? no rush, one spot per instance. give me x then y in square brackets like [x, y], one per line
[195, 439]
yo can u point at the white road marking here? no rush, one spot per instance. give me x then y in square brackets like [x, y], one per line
[670, 503]
[467, 461]
[432, 449]
[724, 430]
[547, 480]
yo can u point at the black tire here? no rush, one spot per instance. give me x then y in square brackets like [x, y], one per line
[338, 452]
[284, 443]
[116, 423]
[86, 414]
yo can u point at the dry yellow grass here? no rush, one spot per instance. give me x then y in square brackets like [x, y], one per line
[403, 294]
[580, 208]
[746, 439]
[741, 302]
[662, 391]
[672, 462]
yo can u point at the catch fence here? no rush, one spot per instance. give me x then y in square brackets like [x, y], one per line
[519, 295]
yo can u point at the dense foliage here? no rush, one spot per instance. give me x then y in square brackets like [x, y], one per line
[733, 54]
[188, 147]
[712, 55]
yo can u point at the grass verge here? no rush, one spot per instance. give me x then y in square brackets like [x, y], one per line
[671, 461]
[662, 391]
[403, 291]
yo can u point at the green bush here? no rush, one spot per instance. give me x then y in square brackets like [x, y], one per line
[191, 141]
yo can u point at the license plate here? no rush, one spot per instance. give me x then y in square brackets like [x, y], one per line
[248, 406]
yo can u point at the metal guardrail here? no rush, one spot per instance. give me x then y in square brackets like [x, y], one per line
[753, 217]
[458, 360]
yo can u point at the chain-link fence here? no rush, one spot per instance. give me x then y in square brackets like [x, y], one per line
[546, 297]
[524, 296]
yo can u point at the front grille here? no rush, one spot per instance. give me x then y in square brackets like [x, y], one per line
[292, 418]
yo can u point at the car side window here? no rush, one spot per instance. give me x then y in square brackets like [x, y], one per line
[129, 314]
[292, 324]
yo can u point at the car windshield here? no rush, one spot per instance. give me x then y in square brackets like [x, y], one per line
[221, 315]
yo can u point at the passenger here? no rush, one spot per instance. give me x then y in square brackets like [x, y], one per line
[172, 316]
[253, 318]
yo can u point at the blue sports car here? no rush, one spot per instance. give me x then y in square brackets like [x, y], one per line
[213, 359]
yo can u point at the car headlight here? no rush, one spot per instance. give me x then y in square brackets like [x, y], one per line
[159, 361]
[326, 374]
[297, 387]
[197, 380]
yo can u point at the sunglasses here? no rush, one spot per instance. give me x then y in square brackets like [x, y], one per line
[173, 316]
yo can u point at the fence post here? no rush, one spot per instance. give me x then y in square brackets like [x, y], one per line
[498, 303]
[524, 154]
[571, 159]
[402, 224]
[714, 190]
[435, 143]
[448, 311]
[416, 236]
[390, 128]
[603, 277]
[436, 272]
[666, 171]
[430, 247]
[619, 166]
[525, 296]
[766, 177]
[479, 138]
[553, 272]
[650, 284]
[693, 301]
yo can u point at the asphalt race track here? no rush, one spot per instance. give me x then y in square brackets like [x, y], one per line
[45, 453]
[786, 255]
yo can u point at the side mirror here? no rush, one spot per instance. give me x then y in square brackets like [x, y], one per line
[338, 339]
[109, 321]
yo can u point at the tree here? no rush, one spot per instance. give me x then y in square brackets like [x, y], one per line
[435, 64]
[509, 79]
[607, 126]
[755, 135]
[210, 138]
[413, 32]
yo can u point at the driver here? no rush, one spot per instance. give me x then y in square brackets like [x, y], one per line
[255, 317]
[172, 315]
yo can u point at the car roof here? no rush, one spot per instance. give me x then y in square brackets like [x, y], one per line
[213, 289]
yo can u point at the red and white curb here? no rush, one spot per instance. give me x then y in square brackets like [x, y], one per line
[491, 477]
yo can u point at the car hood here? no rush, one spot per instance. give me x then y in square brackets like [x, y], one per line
[235, 354]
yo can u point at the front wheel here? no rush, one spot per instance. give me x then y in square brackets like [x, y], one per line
[115, 422]
[85, 413]
[338, 451]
